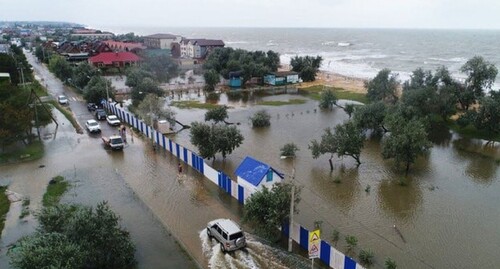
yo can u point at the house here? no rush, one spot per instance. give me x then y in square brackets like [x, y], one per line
[90, 33]
[235, 80]
[281, 78]
[253, 174]
[199, 48]
[114, 59]
[160, 41]
[124, 46]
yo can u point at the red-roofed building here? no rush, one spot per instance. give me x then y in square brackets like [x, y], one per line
[114, 59]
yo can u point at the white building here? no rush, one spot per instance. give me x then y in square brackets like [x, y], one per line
[161, 41]
[253, 175]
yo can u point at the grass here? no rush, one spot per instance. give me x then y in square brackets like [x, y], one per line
[56, 188]
[282, 103]
[194, 104]
[314, 92]
[67, 113]
[30, 152]
[4, 206]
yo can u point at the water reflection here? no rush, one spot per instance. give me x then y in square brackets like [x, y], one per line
[340, 186]
[479, 157]
[440, 135]
[398, 200]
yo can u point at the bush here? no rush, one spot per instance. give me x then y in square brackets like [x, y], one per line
[288, 150]
[261, 119]
[366, 256]
[390, 264]
[351, 241]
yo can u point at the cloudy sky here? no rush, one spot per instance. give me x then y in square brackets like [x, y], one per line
[482, 14]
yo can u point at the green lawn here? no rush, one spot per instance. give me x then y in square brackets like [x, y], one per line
[56, 188]
[4, 207]
[282, 103]
[194, 104]
[30, 152]
[314, 92]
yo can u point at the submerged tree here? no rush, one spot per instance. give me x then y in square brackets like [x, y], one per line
[213, 139]
[371, 116]
[261, 119]
[289, 149]
[407, 141]
[268, 209]
[217, 114]
[211, 79]
[327, 99]
[152, 109]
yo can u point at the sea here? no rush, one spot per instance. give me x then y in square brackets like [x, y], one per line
[358, 53]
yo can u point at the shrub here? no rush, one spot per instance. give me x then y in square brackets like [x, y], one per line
[351, 241]
[366, 256]
[261, 119]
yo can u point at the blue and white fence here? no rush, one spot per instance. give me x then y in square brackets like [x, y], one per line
[328, 254]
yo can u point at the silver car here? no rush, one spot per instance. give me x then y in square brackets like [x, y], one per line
[227, 233]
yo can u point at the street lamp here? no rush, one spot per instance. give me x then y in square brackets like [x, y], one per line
[290, 224]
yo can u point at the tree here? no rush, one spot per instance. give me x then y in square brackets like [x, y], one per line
[487, 116]
[481, 75]
[152, 109]
[383, 87]
[162, 66]
[146, 86]
[8, 65]
[213, 139]
[46, 250]
[97, 89]
[136, 75]
[348, 140]
[326, 145]
[261, 119]
[211, 79]
[307, 66]
[268, 209]
[327, 99]
[217, 114]
[82, 74]
[370, 116]
[349, 109]
[289, 149]
[88, 238]
[407, 141]
[60, 67]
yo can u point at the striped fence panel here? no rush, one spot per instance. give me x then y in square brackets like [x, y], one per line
[328, 254]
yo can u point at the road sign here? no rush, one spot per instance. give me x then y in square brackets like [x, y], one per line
[314, 243]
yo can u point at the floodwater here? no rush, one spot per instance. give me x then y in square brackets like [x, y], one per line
[446, 214]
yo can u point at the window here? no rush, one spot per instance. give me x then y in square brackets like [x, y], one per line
[269, 175]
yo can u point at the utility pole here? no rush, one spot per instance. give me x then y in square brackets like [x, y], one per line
[290, 229]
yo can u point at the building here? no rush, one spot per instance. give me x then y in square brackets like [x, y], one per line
[96, 35]
[4, 48]
[161, 41]
[124, 46]
[114, 59]
[253, 174]
[235, 80]
[281, 78]
[199, 48]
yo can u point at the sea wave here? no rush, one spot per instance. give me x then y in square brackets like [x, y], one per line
[236, 42]
[454, 60]
[344, 44]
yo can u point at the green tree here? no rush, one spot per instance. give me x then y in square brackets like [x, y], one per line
[60, 67]
[82, 74]
[46, 250]
[8, 65]
[481, 75]
[211, 79]
[407, 141]
[383, 87]
[261, 119]
[213, 139]
[217, 114]
[307, 66]
[162, 66]
[268, 209]
[349, 109]
[348, 140]
[152, 109]
[487, 116]
[371, 116]
[89, 238]
[327, 99]
[145, 87]
[325, 146]
[97, 89]
[289, 149]
[136, 75]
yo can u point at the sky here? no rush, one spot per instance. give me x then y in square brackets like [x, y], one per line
[441, 14]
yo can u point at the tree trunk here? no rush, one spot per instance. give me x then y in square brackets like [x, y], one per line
[407, 168]
[228, 123]
[331, 164]
[183, 126]
[357, 159]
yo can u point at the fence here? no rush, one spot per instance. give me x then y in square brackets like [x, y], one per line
[328, 254]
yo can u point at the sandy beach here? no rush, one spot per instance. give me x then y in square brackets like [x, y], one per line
[337, 80]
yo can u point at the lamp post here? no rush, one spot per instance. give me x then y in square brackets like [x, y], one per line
[290, 224]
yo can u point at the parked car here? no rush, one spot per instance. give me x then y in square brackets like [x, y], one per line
[115, 142]
[93, 126]
[113, 120]
[91, 107]
[227, 233]
[100, 114]
[63, 100]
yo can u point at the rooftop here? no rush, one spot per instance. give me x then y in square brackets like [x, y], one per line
[160, 36]
[253, 170]
[109, 58]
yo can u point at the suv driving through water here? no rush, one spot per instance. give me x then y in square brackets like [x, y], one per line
[227, 233]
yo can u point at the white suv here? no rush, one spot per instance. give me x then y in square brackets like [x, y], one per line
[93, 126]
[227, 233]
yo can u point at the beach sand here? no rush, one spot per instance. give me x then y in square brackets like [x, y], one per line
[336, 80]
